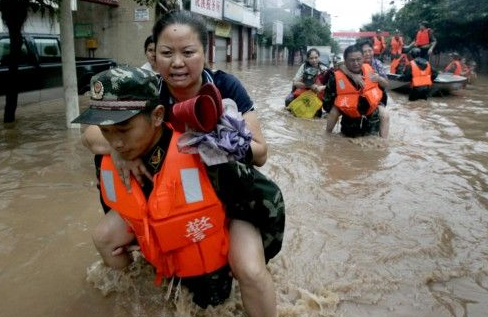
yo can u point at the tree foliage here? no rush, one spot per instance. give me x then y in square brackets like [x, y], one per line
[14, 15]
[384, 22]
[457, 24]
[307, 31]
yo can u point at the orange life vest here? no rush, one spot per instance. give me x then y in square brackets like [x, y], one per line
[181, 227]
[396, 45]
[347, 98]
[378, 44]
[420, 77]
[458, 69]
[422, 38]
[394, 64]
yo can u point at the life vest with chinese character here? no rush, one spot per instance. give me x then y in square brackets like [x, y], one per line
[420, 77]
[181, 228]
[457, 70]
[422, 38]
[400, 61]
[378, 44]
[347, 98]
[396, 45]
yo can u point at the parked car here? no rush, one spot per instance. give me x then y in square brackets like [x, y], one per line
[40, 63]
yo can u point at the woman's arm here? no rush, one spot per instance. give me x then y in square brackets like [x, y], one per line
[94, 141]
[258, 143]
[297, 80]
[357, 78]
[383, 82]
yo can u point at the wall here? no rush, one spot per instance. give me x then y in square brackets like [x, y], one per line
[118, 35]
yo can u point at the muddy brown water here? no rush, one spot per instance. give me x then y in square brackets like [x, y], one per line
[374, 228]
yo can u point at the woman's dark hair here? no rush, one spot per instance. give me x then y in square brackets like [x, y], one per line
[195, 22]
[309, 52]
[351, 49]
[363, 42]
[148, 41]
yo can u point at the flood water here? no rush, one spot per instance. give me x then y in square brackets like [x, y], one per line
[374, 228]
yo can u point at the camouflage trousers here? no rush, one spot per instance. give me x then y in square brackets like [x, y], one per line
[249, 195]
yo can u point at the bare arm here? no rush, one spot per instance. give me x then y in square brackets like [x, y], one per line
[383, 82]
[432, 46]
[357, 78]
[297, 80]
[94, 141]
[258, 143]
[299, 84]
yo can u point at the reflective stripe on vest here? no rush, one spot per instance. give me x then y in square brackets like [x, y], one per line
[420, 77]
[347, 98]
[181, 228]
[422, 38]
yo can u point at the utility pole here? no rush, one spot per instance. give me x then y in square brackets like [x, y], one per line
[69, 64]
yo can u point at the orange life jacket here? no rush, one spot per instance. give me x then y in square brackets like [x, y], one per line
[420, 77]
[422, 38]
[394, 64]
[378, 44]
[347, 98]
[396, 45]
[457, 70]
[181, 227]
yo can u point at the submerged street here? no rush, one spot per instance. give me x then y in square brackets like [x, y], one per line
[374, 227]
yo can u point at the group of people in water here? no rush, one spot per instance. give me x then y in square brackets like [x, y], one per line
[175, 147]
[356, 88]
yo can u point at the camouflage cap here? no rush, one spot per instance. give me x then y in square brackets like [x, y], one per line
[118, 94]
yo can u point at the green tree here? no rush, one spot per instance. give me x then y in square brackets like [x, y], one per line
[458, 24]
[384, 22]
[14, 14]
[307, 31]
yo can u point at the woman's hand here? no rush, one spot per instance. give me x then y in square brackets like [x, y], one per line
[374, 77]
[356, 78]
[317, 88]
[126, 168]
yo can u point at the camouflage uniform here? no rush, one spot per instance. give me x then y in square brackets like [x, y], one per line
[249, 195]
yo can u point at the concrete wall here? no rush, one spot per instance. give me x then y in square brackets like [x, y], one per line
[118, 35]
